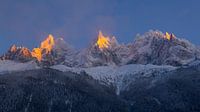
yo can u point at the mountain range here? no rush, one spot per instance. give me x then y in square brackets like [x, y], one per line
[156, 72]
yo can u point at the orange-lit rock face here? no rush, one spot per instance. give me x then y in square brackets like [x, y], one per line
[13, 48]
[169, 36]
[25, 52]
[45, 47]
[47, 44]
[37, 53]
[103, 42]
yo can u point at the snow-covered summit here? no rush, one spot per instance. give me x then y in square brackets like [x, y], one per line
[154, 48]
[64, 53]
[104, 51]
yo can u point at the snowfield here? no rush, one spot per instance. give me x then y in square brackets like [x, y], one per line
[11, 66]
[117, 76]
[121, 76]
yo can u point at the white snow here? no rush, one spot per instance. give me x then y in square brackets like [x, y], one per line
[11, 66]
[118, 76]
[195, 63]
[64, 68]
[114, 75]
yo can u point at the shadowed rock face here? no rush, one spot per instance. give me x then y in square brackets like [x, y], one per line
[49, 90]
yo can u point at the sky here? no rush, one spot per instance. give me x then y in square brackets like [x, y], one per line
[28, 22]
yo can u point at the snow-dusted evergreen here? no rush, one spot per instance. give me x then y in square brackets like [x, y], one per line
[121, 76]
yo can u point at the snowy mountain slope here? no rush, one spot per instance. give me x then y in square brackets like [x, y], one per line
[93, 56]
[11, 66]
[171, 92]
[53, 90]
[154, 48]
[155, 72]
[121, 76]
[103, 52]
[64, 53]
[47, 90]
